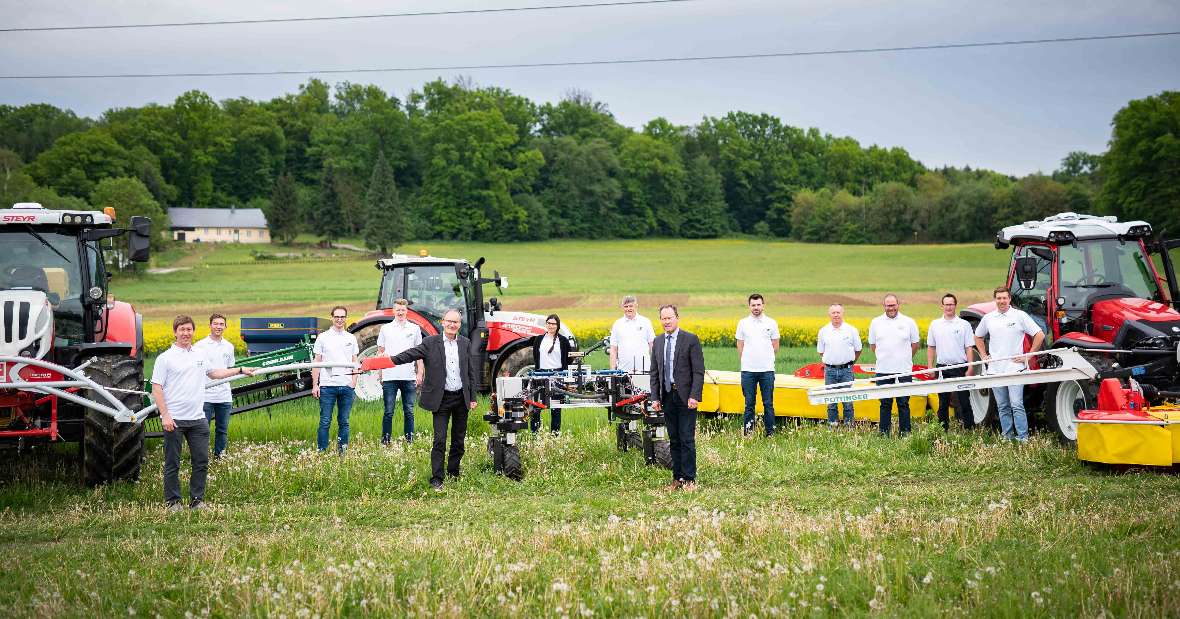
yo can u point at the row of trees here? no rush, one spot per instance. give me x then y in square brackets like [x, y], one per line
[458, 161]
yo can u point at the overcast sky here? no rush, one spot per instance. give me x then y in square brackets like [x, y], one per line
[1013, 109]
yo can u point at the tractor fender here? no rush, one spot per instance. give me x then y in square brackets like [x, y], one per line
[974, 313]
[124, 326]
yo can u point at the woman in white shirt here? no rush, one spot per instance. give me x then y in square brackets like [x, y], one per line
[551, 352]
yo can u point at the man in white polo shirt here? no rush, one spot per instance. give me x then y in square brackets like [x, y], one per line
[839, 347]
[178, 390]
[1008, 327]
[334, 387]
[630, 339]
[893, 337]
[757, 340]
[395, 337]
[218, 400]
[949, 341]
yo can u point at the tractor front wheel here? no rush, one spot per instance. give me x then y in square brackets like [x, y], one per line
[1062, 403]
[518, 363]
[983, 407]
[113, 451]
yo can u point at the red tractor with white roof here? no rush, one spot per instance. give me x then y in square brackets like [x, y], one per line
[434, 285]
[1091, 283]
[71, 356]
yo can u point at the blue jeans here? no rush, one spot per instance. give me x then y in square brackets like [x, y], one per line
[903, 407]
[751, 383]
[1010, 404]
[832, 376]
[218, 412]
[390, 389]
[341, 399]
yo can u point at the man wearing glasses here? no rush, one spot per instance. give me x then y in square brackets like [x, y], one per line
[950, 341]
[334, 386]
[448, 391]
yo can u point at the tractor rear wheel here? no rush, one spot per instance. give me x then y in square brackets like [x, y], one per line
[113, 451]
[517, 363]
[512, 467]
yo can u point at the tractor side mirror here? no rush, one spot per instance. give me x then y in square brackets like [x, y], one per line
[1026, 272]
[139, 242]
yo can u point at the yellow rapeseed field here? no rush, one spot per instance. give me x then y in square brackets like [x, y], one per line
[712, 331]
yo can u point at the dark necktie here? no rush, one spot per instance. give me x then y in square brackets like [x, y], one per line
[668, 345]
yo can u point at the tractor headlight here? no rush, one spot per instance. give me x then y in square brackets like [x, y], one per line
[1061, 237]
[29, 352]
[95, 293]
[1140, 231]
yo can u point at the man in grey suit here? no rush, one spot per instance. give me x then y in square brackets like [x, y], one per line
[448, 391]
[677, 379]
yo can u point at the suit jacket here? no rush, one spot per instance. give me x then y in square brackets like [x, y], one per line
[688, 366]
[563, 343]
[431, 352]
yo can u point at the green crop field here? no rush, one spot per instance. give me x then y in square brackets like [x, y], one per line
[584, 279]
[811, 522]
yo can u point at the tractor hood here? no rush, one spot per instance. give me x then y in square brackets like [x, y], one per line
[522, 323]
[1149, 318]
[26, 323]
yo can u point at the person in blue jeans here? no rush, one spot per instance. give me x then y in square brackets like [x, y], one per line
[396, 337]
[757, 339]
[219, 354]
[334, 386]
[839, 347]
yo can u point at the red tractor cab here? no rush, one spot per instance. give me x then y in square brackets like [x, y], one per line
[434, 285]
[1091, 283]
[56, 308]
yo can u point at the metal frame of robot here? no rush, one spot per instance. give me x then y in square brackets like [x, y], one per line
[624, 395]
[76, 379]
[1060, 364]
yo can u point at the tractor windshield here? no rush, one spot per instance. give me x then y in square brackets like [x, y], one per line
[432, 290]
[46, 261]
[1108, 267]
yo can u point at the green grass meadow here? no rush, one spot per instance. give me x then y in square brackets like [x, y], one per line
[810, 522]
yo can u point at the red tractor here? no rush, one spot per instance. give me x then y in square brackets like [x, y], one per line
[71, 357]
[1090, 283]
[434, 285]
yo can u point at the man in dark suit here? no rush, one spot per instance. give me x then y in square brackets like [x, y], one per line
[677, 380]
[448, 391]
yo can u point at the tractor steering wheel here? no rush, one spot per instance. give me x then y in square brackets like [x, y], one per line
[1092, 279]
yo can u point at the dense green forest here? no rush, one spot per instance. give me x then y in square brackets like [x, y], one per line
[460, 161]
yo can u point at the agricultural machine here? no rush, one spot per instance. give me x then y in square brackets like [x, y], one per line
[625, 396]
[1110, 377]
[71, 356]
[433, 285]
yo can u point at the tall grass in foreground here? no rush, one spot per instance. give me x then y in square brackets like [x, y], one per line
[810, 522]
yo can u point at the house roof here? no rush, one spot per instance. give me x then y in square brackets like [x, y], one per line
[217, 218]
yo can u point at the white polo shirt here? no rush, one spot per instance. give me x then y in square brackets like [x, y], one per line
[1007, 333]
[951, 339]
[338, 347]
[550, 359]
[894, 338]
[182, 372]
[633, 337]
[396, 338]
[838, 345]
[756, 334]
[220, 355]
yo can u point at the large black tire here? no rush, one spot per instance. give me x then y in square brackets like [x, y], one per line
[662, 454]
[517, 363]
[512, 467]
[113, 451]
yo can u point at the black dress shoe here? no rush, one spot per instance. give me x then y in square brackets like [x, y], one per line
[436, 484]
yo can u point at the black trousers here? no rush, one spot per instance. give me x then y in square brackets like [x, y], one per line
[453, 410]
[196, 433]
[681, 422]
[963, 410]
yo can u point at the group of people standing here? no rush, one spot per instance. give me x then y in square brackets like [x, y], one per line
[439, 374]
